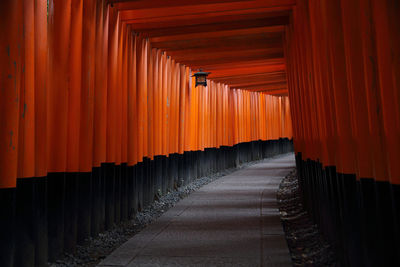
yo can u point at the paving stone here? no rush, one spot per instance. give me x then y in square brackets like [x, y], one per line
[149, 261]
[233, 221]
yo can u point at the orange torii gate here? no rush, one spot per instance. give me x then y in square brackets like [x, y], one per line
[99, 112]
[93, 113]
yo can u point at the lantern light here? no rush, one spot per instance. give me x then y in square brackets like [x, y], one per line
[201, 77]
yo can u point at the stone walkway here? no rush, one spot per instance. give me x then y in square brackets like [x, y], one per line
[233, 221]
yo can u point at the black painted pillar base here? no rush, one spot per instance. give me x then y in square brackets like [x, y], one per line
[46, 216]
[84, 206]
[186, 167]
[117, 194]
[358, 217]
[132, 208]
[102, 204]
[139, 185]
[181, 170]
[174, 166]
[55, 211]
[158, 175]
[96, 202]
[25, 223]
[7, 226]
[40, 229]
[109, 182]
[124, 192]
[71, 212]
[135, 200]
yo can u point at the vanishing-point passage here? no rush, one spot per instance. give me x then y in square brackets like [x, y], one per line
[107, 106]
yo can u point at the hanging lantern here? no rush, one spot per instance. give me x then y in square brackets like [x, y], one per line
[201, 77]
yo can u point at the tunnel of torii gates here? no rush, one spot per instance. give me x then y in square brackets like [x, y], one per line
[99, 113]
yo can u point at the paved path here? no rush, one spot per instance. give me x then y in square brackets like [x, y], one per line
[233, 221]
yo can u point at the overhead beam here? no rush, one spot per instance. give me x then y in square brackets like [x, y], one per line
[253, 76]
[228, 55]
[239, 41]
[218, 34]
[274, 86]
[195, 4]
[239, 71]
[144, 26]
[211, 27]
[260, 83]
[245, 63]
[275, 92]
[279, 92]
[259, 40]
[194, 15]
[228, 60]
[266, 79]
[220, 50]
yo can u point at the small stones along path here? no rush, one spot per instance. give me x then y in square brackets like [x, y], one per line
[96, 249]
[232, 221]
[306, 244]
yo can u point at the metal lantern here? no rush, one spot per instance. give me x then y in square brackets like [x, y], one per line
[201, 77]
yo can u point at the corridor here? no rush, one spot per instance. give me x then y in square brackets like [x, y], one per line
[107, 106]
[233, 221]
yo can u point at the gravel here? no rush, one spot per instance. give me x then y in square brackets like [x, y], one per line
[306, 243]
[96, 249]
